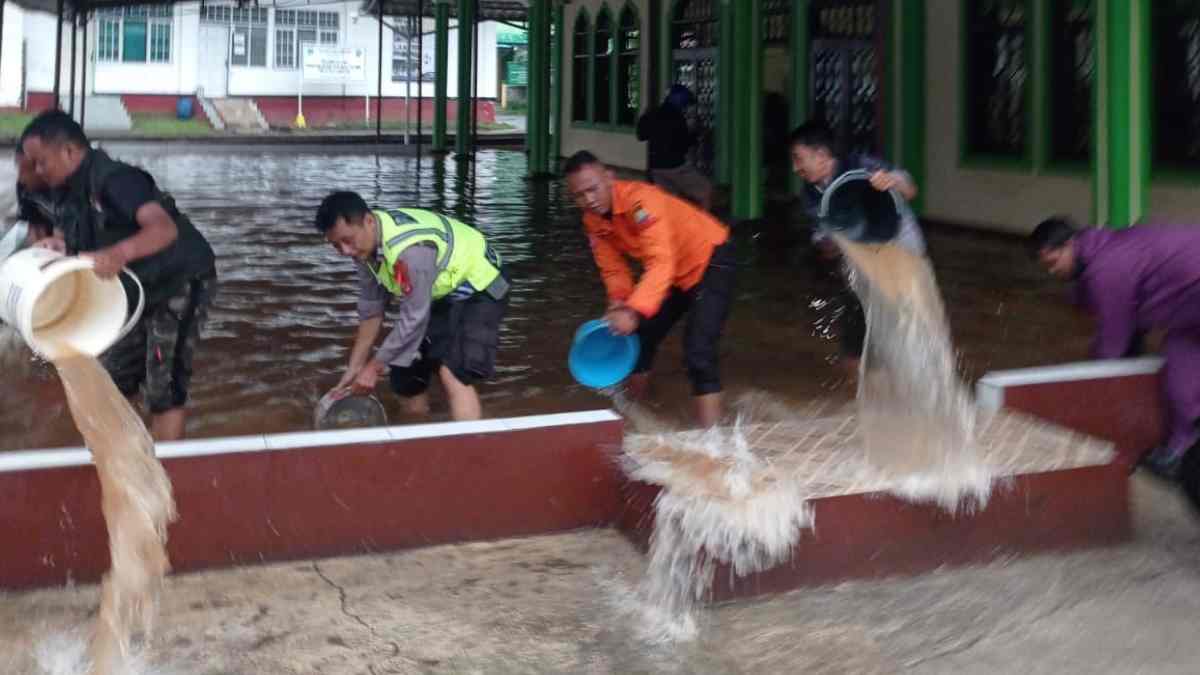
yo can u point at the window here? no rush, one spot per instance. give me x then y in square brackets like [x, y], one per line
[216, 13]
[294, 28]
[776, 17]
[694, 25]
[629, 81]
[695, 35]
[1072, 77]
[108, 47]
[581, 59]
[285, 49]
[1175, 54]
[602, 63]
[135, 34]
[248, 46]
[409, 46]
[996, 90]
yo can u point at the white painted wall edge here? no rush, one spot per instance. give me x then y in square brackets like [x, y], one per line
[989, 391]
[48, 458]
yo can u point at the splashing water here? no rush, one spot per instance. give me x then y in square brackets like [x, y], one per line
[67, 653]
[916, 418]
[740, 495]
[725, 502]
[137, 505]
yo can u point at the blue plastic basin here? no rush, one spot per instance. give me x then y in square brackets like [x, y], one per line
[600, 358]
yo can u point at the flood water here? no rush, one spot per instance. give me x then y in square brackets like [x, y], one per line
[280, 330]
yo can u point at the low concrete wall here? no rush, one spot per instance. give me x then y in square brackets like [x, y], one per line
[258, 498]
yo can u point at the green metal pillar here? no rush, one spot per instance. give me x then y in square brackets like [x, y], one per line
[908, 91]
[556, 87]
[723, 171]
[746, 52]
[1121, 162]
[537, 128]
[466, 68]
[798, 92]
[441, 62]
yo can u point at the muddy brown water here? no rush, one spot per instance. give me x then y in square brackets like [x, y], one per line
[137, 505]
[284, 318]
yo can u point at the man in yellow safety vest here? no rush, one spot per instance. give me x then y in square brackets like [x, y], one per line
[452, 296]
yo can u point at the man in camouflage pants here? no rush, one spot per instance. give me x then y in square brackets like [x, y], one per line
[114, 214]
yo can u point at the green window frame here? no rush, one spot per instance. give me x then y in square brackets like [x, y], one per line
[996, 83]
[607, 69]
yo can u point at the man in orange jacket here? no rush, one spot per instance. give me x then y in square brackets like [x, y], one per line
[687, 263]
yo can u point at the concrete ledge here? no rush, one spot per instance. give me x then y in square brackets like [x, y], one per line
[868, 536]
[260, 498]
[1118, 400]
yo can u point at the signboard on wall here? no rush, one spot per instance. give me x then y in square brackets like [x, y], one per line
[517, 75]
[407, 50]
[239, 44]
[333, 64]
[507, 35]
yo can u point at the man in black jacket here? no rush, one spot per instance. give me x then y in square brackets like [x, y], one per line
[666, 130]
[114, 214]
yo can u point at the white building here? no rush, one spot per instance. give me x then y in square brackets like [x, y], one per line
[221, 50]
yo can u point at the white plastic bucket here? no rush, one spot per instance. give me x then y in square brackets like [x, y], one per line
[59, 305]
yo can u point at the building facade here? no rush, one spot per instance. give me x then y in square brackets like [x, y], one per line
[220, 50]
[1006, 111]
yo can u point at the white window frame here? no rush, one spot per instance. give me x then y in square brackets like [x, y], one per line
[306, 26]
[244, 20]
[158, 18]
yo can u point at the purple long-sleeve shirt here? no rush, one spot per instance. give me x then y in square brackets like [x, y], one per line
[1137, 280]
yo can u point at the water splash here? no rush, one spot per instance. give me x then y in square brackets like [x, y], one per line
[723, 504]
[916, 417]
[66, 652]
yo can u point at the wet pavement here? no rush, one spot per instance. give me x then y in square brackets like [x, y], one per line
[561, 604]
[284, 318]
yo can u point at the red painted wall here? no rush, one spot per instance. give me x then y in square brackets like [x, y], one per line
[280, 111]
[37, 101]
[150, 104]
[159, 104]
[249, 507]
[322, 111]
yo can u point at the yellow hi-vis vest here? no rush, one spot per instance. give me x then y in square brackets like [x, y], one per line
[462, 252]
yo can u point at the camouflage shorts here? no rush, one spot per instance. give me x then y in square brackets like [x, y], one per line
[156, 355]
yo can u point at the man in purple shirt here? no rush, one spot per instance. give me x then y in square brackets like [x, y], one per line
[1135, 281]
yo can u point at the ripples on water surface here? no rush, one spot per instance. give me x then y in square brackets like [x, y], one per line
[283, 321]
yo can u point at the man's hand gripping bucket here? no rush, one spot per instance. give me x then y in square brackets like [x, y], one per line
[59, 306]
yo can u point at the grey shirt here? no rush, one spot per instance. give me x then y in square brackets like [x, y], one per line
[403, 344]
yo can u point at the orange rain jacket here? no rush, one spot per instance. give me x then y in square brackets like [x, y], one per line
[672, 239]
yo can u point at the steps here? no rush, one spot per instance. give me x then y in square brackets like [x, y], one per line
[238, 114]
[103, 113]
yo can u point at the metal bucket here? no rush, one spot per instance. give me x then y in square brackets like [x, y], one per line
[336, 410]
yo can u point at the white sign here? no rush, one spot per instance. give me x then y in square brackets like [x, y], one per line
[239, 44]
[333, 64]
